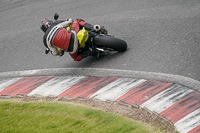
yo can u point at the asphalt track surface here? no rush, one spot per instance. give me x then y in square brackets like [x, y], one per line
[162, 35]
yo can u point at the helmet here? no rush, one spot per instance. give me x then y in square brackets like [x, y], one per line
[45, 23]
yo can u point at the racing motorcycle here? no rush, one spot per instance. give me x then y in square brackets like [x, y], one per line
[97, 40]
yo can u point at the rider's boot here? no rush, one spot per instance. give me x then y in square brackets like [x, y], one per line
[89, 52]
[103, 30]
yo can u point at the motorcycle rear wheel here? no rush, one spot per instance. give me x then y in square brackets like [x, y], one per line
[106, 41]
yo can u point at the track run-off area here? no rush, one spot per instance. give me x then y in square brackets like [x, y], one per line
[176, 103]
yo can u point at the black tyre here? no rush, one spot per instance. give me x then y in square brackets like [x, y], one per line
[106, 41]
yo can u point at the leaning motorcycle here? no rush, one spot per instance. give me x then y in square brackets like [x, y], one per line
[97, 40]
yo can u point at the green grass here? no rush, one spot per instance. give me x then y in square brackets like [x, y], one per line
[44, 117]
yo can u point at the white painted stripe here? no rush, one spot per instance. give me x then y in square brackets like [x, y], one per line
[189, 122]
[166, 98]
[116, 89]
[7, 82]
[56, 86]
[51, 33]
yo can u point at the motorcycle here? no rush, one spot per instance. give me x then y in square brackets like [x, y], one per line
[97, 40]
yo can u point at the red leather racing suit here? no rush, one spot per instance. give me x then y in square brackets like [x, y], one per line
[57, 36]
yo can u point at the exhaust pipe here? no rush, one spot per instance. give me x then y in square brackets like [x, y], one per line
[97, 27]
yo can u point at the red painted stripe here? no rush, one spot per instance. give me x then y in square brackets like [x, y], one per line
[87, 87]
[143, 92]
[195, 130]
[25, 85]
[183, 107]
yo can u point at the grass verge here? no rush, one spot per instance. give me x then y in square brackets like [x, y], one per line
[51, 117]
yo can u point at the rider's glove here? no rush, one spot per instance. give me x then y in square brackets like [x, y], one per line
[61, 53]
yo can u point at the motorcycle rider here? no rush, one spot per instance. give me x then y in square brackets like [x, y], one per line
[59, 40]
